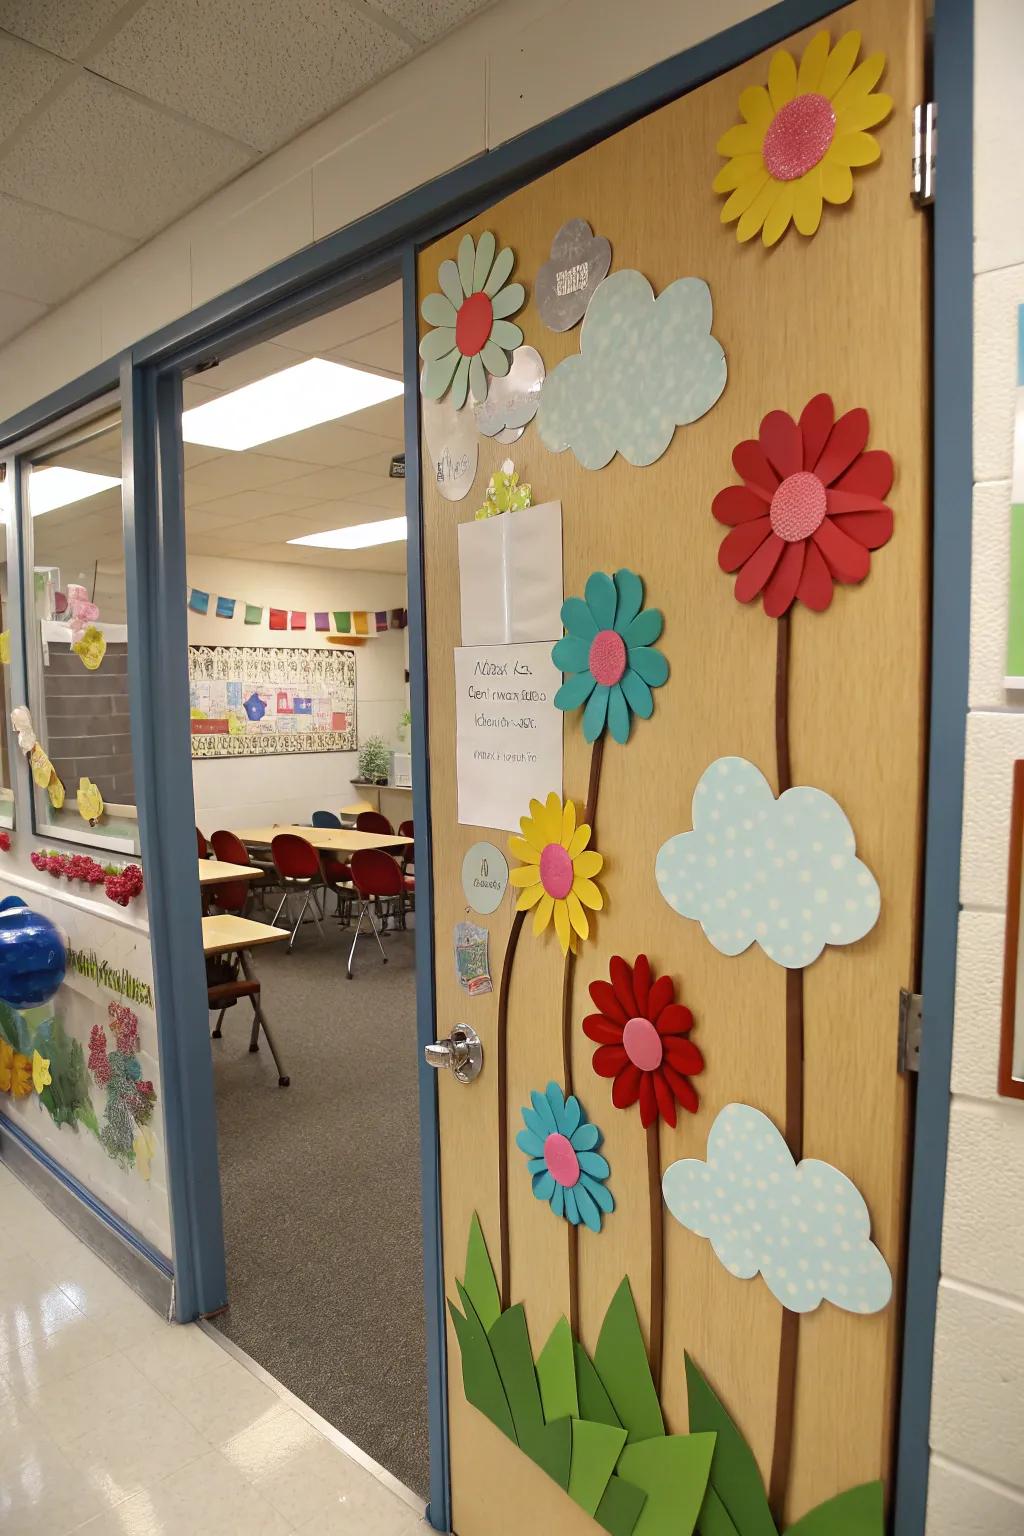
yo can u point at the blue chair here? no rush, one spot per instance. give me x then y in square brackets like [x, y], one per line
[326, 819]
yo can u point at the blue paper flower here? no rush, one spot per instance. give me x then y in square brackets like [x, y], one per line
[567, 1170]
[608, 654]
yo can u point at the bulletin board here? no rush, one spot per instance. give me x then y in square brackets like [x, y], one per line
[260, 701]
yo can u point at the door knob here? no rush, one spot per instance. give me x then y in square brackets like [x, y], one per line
[462, 1054]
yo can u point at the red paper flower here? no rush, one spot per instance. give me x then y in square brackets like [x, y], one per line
[641, 1033]
[810, 509]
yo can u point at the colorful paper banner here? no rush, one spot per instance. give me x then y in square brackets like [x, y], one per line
[278, 618]
[225, 607]
[253, 615]
[322, 620]
[198, 601]
[298, 619]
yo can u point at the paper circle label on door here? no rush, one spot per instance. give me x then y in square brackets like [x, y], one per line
[484, 877]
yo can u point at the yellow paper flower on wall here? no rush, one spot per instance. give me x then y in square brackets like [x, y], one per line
[55, 790]
[801, 138]
[6, 1065]
[90, 801]
[92, 647]
[556, 875]
[40, 1072]
[21, 1076]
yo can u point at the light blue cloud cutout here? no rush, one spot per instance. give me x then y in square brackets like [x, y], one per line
[782, 873]
[645, 366]
[804, 1226]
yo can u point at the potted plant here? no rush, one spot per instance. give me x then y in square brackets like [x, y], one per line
[374, 761]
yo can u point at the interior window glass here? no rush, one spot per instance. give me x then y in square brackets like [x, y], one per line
[6, 781]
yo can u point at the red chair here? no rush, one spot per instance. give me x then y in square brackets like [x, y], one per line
[222, 994]
[373, 821]
[236, 896]
[204, 847]
[378, 879]
[300, 873]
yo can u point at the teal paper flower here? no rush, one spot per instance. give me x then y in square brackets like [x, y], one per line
[473, 336]
[567, 1170]
[608, 654]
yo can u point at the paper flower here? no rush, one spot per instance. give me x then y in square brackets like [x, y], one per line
[783, 873]
[804, 1225]
[645, 366]
[567, 1170]
[22, 722]
[556, 875]
[40, 1072]
[567, 281]
[55, 790]
[609, 652]
[81, 612]
[473, 335]
[504, 493]
[800, 138]
[641, 1033]
[90, 801]
[810, 510]
[91, 646]
[21, 1075]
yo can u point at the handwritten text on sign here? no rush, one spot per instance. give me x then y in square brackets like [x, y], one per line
[508, 731]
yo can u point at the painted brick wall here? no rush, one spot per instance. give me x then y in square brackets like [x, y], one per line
[89, 723]
[977, 1478]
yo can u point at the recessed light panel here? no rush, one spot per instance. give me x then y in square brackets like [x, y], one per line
[54, 487]
[290, 401]
[358, 536]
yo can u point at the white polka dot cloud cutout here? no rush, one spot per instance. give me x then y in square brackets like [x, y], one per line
[782, 873]
[804, 1226]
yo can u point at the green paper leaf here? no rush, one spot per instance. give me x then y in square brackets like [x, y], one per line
[673, 1472]
[619, 1510]
[510, 1344]
[621, 1362]
[595, 1450]
[857, 1512]
[556, 1373]
[480, 1282]
[480, 1379]
[595, 1404]
[551, 1448]
[735, 1477]
[12, 1029]
[715, 1519]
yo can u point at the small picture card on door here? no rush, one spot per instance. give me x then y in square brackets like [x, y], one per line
[471, 967]
[510, 576]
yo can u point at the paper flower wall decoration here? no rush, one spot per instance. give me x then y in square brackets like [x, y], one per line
[90, 801]
[15, 1071]
[642, 1035]
[504, 493]
[810, 510]
[22, 722]
[800, 138]
[91, 646]
[41, 1078]
[645, 366]
[567, 1170]
[609, 654]
[783, 873]
[473, 335]
[804, 1226]
[556, 875]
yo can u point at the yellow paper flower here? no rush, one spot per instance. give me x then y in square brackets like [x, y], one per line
[92, 647]
[800, 138]
[41, 766]
[555, 876]
[40, 1072]
[6, 1065]
[55, 790]
[5, 647]
[90, 801]
[21, 1075]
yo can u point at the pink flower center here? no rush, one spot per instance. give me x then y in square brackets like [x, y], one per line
[798, 506]
[560, 1156]
[556, 873]
[607, 659]
[798, 136]
[473, 324]
[642, 1044]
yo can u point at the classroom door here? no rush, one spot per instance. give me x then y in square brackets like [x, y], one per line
[674, 1198]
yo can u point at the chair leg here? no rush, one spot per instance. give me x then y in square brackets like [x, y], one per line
[283, 1080]
[280, 908]
[363, 909]
[254, 1038]
[298, 921]
[216, 1028]
[380, 944]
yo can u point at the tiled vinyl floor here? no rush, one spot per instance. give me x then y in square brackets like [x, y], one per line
[114, 1423]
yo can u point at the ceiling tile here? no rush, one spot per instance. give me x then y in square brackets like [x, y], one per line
[258, 72]
[44, 256]
[332, 443]
[254, 503]
[101, 155]
[66, 27]
[380, 349]
[27, 75]
[356, 318]
[386, 419]
[16, 313]
[390, 496]
[376, 463]
[430, 19]
[334, 482]
[239, 472]
[257, 362]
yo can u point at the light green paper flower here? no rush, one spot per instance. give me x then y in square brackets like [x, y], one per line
[505, 493]
[472, 335]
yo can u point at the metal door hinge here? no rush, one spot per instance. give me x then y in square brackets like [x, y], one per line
[911, 1018]
[923, 153]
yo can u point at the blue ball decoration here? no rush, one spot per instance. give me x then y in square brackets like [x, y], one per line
[32, 957]
[10, 902]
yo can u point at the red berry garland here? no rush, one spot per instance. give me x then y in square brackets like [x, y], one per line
[121, 885]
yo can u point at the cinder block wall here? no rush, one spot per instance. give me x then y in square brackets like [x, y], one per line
[89, 723]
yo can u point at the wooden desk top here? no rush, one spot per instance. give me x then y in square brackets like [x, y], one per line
[216, 872]
[328, 839]
[224, 932]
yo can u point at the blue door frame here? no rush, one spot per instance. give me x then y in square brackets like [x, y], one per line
[356, 259]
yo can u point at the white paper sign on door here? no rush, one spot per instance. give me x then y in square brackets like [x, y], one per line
[510, 576]
[508, 732]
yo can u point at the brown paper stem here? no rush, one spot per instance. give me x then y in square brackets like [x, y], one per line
[501, 1047]
[789, 1331]
[657, 1252]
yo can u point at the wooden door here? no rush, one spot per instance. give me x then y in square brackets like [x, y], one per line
[839, 690]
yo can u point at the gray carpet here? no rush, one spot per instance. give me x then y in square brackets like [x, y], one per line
[321, 1189]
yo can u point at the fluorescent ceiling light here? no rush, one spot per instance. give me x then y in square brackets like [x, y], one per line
[359, 536]
[290, 401]
[54, 487]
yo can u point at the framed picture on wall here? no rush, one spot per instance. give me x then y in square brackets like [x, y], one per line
[1011, 1043]
[260, 700]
